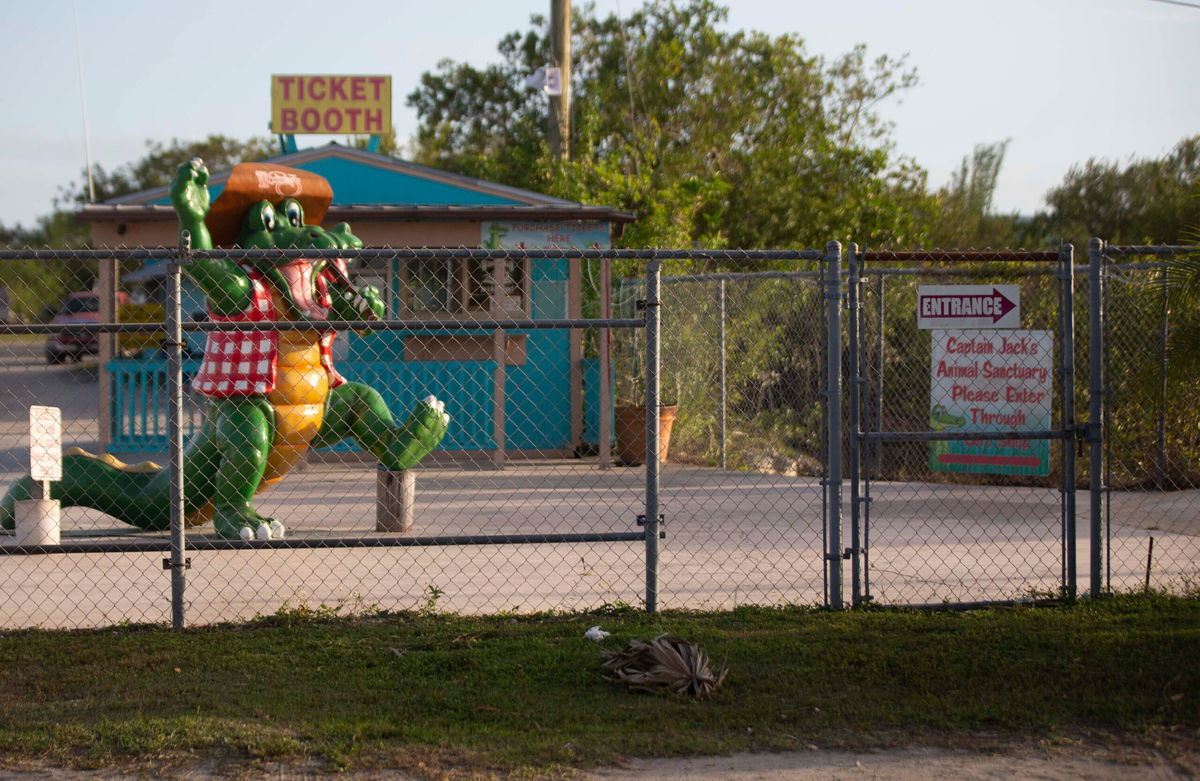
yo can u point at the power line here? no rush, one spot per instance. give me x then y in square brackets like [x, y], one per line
[87, 142]
[1178, 2]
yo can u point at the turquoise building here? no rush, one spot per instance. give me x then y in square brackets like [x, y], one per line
[512, 394]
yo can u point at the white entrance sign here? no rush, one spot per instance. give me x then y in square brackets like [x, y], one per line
[968, 306]
[984, 380]
[45, 443]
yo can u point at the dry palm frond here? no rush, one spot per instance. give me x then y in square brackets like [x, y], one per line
[663, 663]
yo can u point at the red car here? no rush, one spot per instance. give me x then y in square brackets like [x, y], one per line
[76, 308]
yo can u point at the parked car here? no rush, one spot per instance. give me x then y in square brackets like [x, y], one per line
[82, 307]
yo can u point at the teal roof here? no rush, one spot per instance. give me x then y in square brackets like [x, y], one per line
[353, 182]
[361, 177]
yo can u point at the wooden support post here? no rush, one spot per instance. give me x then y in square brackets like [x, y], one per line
[107, 285]
[605, 389]
[575, 348]
[500, 356]
[559, 130]
[395, 492]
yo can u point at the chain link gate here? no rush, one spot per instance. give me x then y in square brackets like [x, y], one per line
[956, 492]
[1149, 481]
[746, 489]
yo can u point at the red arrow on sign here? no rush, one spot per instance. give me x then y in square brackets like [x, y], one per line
[994, 305]
[987, 459]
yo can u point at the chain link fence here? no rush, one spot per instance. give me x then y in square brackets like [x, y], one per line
[545, 494]
[1151, 468]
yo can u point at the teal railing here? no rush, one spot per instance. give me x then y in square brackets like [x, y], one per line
[139, 411]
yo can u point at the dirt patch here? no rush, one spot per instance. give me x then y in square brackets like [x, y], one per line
[1097, 758]
[903, 764]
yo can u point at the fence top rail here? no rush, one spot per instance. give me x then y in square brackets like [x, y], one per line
[741, 276]
[1148, 249]
[448, 253]
[155, 253]
[501, 254]
[330, 325]
[960, 256]
[983, 273]
[968, 256]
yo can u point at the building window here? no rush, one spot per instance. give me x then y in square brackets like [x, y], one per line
[438, 287]
[435, 287]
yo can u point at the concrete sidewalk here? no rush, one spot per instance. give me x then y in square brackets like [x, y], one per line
[732, 538]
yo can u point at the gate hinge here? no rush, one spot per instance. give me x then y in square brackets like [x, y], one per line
[187, 564]
[642, 304]
[662, 521]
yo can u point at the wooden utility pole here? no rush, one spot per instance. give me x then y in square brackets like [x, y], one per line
[559, 132]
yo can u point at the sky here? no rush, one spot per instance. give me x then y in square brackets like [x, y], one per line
[1063, 80]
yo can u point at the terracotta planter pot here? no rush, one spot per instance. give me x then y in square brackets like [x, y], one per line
[630, 431]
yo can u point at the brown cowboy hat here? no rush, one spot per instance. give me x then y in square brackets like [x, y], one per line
[250, 183]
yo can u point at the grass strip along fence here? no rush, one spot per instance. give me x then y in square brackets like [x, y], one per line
[449, 696]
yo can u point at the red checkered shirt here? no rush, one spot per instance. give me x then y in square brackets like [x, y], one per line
[243, 363]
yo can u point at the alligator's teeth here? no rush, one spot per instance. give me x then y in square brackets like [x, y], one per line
[446, 418]
[245, 533]
[264, 532]
[277, 530]
[431, 400]
[441, 406]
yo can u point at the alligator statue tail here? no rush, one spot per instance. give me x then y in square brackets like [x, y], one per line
[140, 494]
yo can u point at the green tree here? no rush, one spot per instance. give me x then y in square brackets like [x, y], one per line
[714, 138]
[1145, 201]
[158, 165]
[965, 218]
[37, 287]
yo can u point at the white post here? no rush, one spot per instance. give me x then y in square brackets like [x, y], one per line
[37, 518]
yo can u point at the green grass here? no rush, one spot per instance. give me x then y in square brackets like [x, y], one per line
[441, 694]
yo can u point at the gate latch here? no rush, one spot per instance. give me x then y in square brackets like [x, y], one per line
[662, 522]
[187, 564]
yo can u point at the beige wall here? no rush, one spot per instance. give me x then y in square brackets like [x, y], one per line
[165, 233]
[417, 234]
[136, 234]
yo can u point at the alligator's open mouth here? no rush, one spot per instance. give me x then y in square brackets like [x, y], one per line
[298, 274]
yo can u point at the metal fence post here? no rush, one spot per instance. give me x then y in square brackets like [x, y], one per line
[1096, 404]
[174, 345]
[721, 413]
[853, 305]
[1067, 387]
[1160, 476]
[833, 320]
[653, 314]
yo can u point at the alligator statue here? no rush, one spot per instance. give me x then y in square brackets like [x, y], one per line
[270, 395]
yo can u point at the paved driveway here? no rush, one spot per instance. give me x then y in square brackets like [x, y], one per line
[732, 538]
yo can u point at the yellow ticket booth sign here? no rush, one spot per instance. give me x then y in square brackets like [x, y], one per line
[331, 104]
